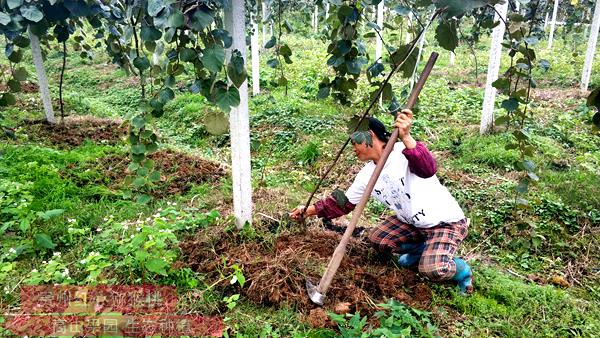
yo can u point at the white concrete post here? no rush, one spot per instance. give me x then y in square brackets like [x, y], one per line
[239, 122]
[327, 11]
[552, 24]
[255, 58]
[36, 53]
[487, 111]
[546, 20]
[264, 22]
[452, 56]
[315, 19]
[379, 41]
[591, 49]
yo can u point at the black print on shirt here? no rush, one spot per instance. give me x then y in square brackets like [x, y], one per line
[416, 216]
[378, 192]
[402, 180]
[407, 195]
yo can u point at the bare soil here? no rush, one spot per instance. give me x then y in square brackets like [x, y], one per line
[75, 130]
[276, 273]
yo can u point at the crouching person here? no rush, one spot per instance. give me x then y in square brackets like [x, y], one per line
[428, 225]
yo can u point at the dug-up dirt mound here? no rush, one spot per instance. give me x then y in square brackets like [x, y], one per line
[75, 130]
[276, 274]
[179, 171]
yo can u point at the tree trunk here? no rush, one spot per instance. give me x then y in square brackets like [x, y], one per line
[546, 20]
[239, 121]
[255, 58]
[413, 78]
[552, 24]
[36, 53]
[379, 41]
[487, 111]
[591, 49]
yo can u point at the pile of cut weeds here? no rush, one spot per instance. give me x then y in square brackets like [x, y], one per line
[179, 171]
[276, 273]
[74, 130]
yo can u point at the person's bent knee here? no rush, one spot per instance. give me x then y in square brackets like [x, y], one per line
[437, 272]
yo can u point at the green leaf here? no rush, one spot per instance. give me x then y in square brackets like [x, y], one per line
[15, 56]
[44, 241]
[446, 35]
[141, 62]
[143, 199]
[187, 54]
[31, 13]
[285, 50]
[155, 6]
[14, 85]
[236, 70]
[8, 99]
[50, 214]
[411, 61]
[176, 19]
[227, 98]
[20, 74]
[213, 58]
[149, 33]
[138, 149]
[4, 18]
[201, 20]
[273, 63]
[501, 83]
[157, 266]
[12, 4]
[272, 41]
[216, 123]
[139, 122]
[510, 104]
[165, 95]
[154, 176]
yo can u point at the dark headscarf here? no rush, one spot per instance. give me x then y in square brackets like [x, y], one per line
[378, 129]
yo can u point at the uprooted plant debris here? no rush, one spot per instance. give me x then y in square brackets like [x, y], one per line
[276, 274]
[179, 171]
[73, 131]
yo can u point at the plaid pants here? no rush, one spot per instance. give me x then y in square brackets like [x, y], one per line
[441, 242]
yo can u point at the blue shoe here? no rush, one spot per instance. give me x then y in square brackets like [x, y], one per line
[412, 254]
[463, 276]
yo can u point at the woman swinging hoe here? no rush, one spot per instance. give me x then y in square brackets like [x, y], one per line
[428, 224]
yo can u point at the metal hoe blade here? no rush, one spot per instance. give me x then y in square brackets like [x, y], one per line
[314, 295]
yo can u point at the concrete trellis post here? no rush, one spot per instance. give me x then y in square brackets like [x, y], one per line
[552, 24]
[255, 57]
[315, 19]
[591, 49]
[487, 111]
[264, 23]
[452, 57]
[36, 53]
[546, 20]
[327, 11]
[238, 120]
[379, 41]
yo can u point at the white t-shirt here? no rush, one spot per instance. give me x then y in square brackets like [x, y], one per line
[422, 202]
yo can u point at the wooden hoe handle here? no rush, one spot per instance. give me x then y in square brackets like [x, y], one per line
[339, 252]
